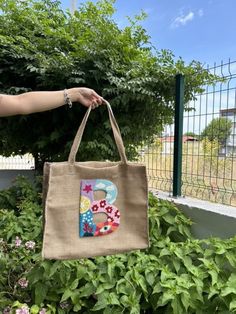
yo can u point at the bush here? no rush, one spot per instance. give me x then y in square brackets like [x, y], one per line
[178, 274]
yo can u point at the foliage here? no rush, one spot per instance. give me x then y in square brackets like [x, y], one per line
[191, 134]
[219, 129]
[210, 148]
[178, 274]
[44, 48]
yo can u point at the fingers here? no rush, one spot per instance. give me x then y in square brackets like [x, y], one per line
[97, 100]
[88, 97]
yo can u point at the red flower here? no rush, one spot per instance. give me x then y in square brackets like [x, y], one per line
[87, 228]
[109, 209]
[88, 188]
[95, 208]
[103, 203]
[117, 214]
[110, 219]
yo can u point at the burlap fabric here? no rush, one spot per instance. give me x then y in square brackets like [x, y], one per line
[75, 192]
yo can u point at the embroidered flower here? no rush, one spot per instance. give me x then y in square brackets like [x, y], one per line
[110, 219]
[103, 203]
[23, 310]
[95, 208]
[88, 188]
[30, 245]
[109, 209]
[23, 283]
[117, 214]
[84, 204]
[43, 311]
[18, 242]
[87, 227]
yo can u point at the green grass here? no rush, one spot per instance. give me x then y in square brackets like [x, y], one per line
[204, 175]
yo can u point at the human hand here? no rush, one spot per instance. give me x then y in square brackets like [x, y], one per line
[86, 96]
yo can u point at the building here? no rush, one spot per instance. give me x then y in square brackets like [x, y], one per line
[168, 143]
[230, 147]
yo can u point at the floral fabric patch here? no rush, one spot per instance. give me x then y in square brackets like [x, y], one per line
[90, 207]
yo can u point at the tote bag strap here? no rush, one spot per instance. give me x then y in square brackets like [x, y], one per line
[116, 133]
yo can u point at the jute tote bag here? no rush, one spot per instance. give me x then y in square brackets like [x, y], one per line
[94, 208]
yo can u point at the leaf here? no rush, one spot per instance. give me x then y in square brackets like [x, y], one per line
[54, 268]
[40, 292]
[150, 277]
[166, 297]
[157, 288]
[102, 302]
[113, 299]
[232, 305]
[214, 276]
[81, 271]
[185, 298]
[230, 286]
[176, 306]
[77, 307]
[165, 252]
[74, 284]
[87, 290]
[168, 218]
[66, 295]
[228, 290]
[34, 309]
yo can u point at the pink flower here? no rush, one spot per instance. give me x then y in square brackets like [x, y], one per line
[7, 310]
[23, 283]
[30, 245]
[64, 305]
[43, 311]
[17, 242]
[23, 310]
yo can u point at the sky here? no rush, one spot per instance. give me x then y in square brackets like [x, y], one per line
[201, 30]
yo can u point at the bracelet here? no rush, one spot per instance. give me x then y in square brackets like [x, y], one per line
[67, 99]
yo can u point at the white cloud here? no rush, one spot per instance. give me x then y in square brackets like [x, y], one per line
[110, 188]
[100, 186]
[182, 19]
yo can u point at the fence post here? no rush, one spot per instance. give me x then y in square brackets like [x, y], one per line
[178, 136]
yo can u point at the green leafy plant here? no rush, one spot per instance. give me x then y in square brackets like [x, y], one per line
[177, 274]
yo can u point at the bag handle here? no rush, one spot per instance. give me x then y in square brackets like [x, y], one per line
[115, 129]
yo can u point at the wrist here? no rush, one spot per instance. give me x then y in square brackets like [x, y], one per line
[73, 94]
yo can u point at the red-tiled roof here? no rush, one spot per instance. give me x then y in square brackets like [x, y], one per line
[171, 139]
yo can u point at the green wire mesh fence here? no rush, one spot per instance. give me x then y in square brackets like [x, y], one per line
[208, 144]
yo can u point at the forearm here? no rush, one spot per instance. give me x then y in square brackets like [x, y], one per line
[41, 101]
[33, 102]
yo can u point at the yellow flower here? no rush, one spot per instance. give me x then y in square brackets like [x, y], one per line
[84, 204]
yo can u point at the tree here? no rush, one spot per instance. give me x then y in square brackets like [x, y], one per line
[44, 48]
[219, 129]
[192, 134]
